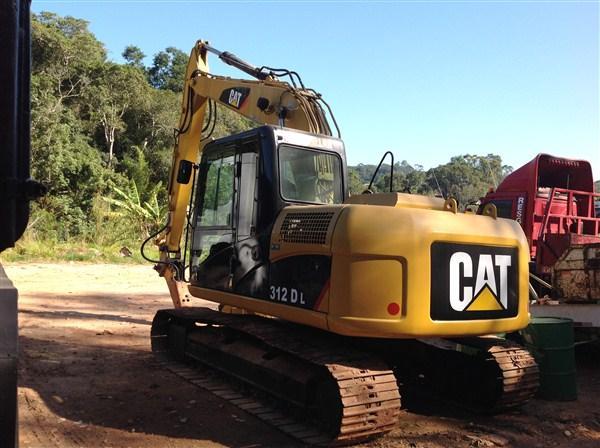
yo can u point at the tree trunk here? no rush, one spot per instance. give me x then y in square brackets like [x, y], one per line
[111, 144]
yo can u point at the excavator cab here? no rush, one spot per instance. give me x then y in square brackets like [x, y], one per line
[243, 182]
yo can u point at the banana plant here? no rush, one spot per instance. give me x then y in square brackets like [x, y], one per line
[147, 215]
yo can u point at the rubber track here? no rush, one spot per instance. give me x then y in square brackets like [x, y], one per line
[367, 387]
[520, 374]
[262, 409]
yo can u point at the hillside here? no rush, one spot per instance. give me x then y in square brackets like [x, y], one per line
[102, 139]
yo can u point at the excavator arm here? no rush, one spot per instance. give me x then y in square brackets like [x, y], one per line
[265, 100]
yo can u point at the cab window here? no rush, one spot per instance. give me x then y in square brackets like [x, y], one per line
[217, 201]
[504, 207]
[309, 176]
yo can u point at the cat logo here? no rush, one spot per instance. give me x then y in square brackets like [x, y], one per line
[483, 291]
[470, 281]
[235, 97]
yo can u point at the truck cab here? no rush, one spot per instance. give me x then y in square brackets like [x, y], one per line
[554, 201]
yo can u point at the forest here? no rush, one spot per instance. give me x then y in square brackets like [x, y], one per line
[102, 135]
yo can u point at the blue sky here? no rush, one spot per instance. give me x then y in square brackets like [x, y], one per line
[426, 80]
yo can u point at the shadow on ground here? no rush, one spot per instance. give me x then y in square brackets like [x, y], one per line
[80, 315]
[115, 387]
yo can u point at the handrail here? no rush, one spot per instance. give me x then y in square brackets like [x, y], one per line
[576, 192]
[578, 219]
[542, 230]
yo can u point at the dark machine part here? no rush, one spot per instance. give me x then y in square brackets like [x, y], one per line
[368, 190]
[349, 395]
[16, 189]
[482, 375]
[347, 387]
[231, 59]
[8, 362]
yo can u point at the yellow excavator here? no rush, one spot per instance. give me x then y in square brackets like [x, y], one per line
[328, 301]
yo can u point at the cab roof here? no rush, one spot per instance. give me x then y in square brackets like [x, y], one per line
[547, 171]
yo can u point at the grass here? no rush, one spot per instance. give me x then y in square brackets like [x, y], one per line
[30, 250]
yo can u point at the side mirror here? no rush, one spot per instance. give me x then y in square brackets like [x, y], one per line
[184, 172]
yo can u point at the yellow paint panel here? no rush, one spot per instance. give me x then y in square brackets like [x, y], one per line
[370, 283]
[485, 301]
[397, 200]
[360, 295]
[381, 254]
[265, 307]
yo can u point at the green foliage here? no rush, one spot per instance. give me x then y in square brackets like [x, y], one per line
[63, 53]
[168, 70]
[138, 170]
[355, 183]
[30, 250]
[407, 179]
[102, 142]
[466, 177]
[218, 194]
[134, 56]
[97, 124]
[147, 216]
[118, 89]
[228, 122]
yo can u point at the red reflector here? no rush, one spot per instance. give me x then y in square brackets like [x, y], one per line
[393, 308]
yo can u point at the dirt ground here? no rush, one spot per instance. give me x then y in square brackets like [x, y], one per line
[88, 379]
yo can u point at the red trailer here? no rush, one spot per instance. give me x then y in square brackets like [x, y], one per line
[553, 199]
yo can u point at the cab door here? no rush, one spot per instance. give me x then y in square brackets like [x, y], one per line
[214, 226]
[251, 256]
[226, 252]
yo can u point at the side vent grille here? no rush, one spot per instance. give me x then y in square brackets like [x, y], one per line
[305, 227]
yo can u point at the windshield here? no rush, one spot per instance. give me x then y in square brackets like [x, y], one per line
[310, 176]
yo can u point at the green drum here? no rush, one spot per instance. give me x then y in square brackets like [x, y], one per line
[551, 342]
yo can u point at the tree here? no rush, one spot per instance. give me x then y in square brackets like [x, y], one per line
[467, 177]
[86, 111]
[63, 54]
[72, 170]
[229, 122]
[168, 70]
[134, 57]
[355, 183]
[150, 122]
[117, 89]
[415, 181]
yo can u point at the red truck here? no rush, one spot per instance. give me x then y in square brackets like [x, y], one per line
[553, 199]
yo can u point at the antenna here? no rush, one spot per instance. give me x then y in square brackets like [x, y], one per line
[437, 183]
[491, 173]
